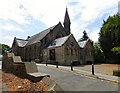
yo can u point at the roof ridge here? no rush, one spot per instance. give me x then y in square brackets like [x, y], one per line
[21, 39]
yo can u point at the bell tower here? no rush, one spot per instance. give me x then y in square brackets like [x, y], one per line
[67, 22]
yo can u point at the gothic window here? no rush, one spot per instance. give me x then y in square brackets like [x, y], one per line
[26, 54]
[71, 51]
[35, 51]
[45, 40]
[86, 52]
[90, 53]
[67, 50]
[75, 50]
[29, 54]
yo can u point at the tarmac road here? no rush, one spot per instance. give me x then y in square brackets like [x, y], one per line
[69, 81]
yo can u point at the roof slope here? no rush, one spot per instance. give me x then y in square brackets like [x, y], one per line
[83, 43]
[58, 42]
[36, 38]
[21, 42]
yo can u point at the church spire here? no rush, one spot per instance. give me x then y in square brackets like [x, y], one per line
[67, 22]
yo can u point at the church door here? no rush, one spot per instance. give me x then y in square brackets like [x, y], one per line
[52, 54]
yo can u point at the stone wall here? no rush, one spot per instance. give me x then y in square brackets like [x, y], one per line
[71, 52]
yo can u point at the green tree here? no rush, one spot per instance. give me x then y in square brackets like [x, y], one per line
[4, 48]
[98, 53]
[110, 37]
[84, 37]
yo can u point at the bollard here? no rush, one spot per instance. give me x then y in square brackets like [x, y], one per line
[56, 64]
[46, 63]
[92, 69]
[71, 66]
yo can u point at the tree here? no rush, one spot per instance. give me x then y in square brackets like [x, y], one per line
[98, 53]
[4, 48]
[84, 37]
[110, 38]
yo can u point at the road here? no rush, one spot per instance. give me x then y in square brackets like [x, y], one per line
[70, 81]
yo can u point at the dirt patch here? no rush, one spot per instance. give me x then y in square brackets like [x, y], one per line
[101, 68]
[14, 83]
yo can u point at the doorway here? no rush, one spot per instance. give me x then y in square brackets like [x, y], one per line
[52, 54]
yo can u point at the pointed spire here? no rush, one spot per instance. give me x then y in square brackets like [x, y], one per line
[67, 23]
[66, 18]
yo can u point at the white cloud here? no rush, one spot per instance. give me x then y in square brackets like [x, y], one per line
[7, 40]
[50, 12]
[47, 11]
[11, 28]
[10, 10]
[94, 35]
[88, 11]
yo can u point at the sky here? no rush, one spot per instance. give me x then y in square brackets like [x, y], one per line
[22, 18]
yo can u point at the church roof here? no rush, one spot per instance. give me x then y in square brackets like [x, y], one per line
[36, 38]
[21, 42]
[58, 42]
[83, 43]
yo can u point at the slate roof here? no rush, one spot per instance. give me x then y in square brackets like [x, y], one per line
[21, 42]
[83, 43]
[36, 38]
[58, 42]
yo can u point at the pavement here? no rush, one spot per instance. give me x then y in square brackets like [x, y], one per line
[110, 78]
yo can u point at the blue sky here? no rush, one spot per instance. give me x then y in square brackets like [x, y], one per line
[22, 18]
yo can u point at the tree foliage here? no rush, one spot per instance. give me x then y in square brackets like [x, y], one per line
[84, 37]
[110, 37]
[4, 48]
[98, 53]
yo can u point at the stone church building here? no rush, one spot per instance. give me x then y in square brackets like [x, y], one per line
[56, 43]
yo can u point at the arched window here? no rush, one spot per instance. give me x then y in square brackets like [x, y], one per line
[29, 58]
[34, 51]
[71, 51]
[26, 54]
[67, 50]
[45, 40]
[75, 50]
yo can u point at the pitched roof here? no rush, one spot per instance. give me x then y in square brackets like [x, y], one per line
[58, 42]
[83, 43]
[21, 42]
[36, 38]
